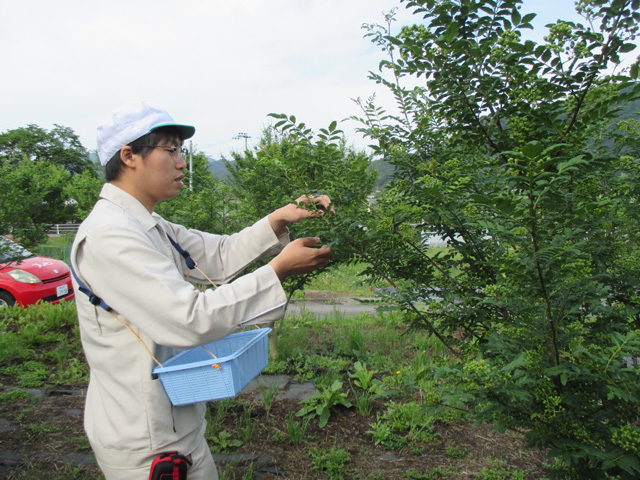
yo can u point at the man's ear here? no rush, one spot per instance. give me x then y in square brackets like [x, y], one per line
[126, 155]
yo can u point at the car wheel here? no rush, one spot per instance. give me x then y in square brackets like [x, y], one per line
[6, 300]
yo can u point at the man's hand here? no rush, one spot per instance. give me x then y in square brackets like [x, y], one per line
[294, 212]
[300, 257]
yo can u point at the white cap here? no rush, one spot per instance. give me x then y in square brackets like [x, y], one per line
[130, 122]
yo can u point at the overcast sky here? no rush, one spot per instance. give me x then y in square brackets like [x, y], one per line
[220, 65]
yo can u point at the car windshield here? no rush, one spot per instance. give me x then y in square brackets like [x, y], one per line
[11, 251]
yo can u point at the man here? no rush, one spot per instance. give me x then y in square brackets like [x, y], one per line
[123, 255]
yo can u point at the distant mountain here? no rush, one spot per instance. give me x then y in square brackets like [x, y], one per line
[385, 171]
[218, 168]
[630, 110]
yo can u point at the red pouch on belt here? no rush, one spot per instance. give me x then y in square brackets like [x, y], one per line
[169, 466]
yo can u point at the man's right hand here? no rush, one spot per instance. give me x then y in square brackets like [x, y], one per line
[300, 256]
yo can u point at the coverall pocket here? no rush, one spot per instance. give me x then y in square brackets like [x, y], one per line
[169, 424]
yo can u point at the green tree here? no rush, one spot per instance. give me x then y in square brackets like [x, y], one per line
[60, 146]
[498, 150]
[32, 199]
[39, 170]
[290, 161]
[83, 192]
[206, 206]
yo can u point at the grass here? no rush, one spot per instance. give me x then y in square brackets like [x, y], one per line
[384, 370]
[40, 346]
[56, 247]
[345, 279]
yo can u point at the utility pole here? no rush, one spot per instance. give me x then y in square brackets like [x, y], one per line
[242, 135]
[190, 166]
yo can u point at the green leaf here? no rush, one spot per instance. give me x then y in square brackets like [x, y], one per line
[579, 160]
[324, 418]
[532, 149]
[452, 32]
[563, 378]
[514, 154]
[628, 47]
[515, 17]
[517, 362]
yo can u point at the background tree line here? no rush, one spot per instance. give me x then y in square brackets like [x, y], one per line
[513, 151]
[40, 173]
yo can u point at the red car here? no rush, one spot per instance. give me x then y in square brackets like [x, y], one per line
[27, 279]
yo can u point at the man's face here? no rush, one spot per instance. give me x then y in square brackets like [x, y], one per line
[159, 175]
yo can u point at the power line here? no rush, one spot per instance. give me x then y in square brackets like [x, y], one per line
[242, 135]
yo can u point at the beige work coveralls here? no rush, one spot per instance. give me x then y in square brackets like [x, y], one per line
[122, 253]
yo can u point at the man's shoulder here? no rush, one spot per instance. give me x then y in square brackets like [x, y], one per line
[103, 213]
[108, 218]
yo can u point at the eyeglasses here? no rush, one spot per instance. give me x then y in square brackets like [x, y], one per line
[176, 151]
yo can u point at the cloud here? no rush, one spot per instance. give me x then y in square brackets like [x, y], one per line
[220, 65]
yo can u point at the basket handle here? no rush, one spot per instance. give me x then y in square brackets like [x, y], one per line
[139, 339]
[215, 365]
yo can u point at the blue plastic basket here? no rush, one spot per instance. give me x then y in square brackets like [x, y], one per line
[191, 377]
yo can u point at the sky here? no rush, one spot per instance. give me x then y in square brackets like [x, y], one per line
[220, 65]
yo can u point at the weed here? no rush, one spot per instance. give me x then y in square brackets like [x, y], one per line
[332, 461]
[223, 442]
[227, 473]
[433, 474]
[43, 429]
[29, 374]
[290, 342]
[73, 372]
[384, 435]
[345, 278]
[363, 378]
[83, 444]
[7, 398]
[405, 416]
[26, 412]
[320, 403]
[215, 415]
[32, 335]
[248, 473]
[322, 370]
[11, 348]
[29, 470]
[297, 431]
[247, 424]
[455, 451]
[497, 470]
[376, 476]
[275, 367]
[363, 404]
[61, 353]
[349, 340]
[268, 396]
[402, 423]
[357, 340]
